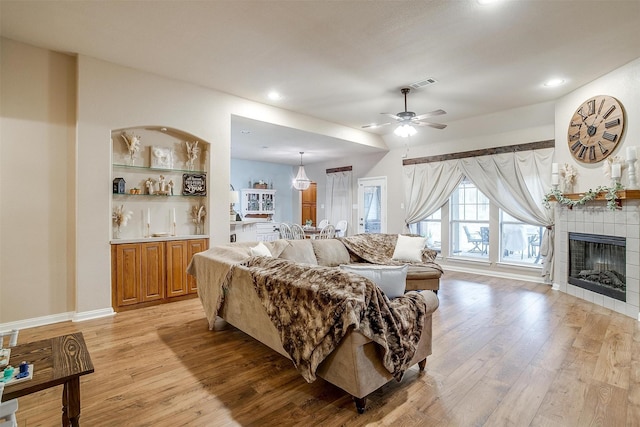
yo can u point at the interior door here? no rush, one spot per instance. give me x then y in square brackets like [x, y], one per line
[372, 205]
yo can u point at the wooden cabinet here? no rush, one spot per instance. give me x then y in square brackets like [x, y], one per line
[147, 273]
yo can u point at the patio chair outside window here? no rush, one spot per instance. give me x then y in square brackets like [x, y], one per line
[474, 238]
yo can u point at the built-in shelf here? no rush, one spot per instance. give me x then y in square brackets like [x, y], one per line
[147, 168]
[156, 196]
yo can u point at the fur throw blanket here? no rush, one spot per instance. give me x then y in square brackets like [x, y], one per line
[378, 249]
[313, 307]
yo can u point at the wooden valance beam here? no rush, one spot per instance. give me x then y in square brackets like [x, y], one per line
[342, 169]
[483, 152]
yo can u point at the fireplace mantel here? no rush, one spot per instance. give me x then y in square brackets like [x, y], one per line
[622, 195]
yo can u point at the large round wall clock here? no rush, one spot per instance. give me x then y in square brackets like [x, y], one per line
[595, 129]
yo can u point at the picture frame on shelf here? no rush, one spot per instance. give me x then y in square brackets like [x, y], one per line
[194, 184]
[161, 157]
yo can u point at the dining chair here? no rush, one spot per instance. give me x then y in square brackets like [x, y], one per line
[323, 223]
[341, 228]
[297, 232]
[285, 231]
[328, 232]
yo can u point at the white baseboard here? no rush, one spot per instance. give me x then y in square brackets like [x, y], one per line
[57, 318]
[93, 314]
[37, 321]
[555, 287]
[494, 273]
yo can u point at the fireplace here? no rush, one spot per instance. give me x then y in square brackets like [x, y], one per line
[598, 263]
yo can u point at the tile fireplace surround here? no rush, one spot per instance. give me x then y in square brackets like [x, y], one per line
[595, 218]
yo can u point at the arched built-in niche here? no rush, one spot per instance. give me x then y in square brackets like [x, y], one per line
[161, 188]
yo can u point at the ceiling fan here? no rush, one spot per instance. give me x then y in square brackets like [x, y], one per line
[407, 118]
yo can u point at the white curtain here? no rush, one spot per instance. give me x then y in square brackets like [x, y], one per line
[427, 186]
[339, 197]
[515, 182]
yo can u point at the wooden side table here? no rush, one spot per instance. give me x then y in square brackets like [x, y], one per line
[60, 360]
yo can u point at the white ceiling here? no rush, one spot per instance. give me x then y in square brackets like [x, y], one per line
[345, 61]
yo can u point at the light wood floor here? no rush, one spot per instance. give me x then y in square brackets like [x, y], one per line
[505, 353]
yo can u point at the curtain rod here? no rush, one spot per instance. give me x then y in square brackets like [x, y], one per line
[483, 152]
[342, 169]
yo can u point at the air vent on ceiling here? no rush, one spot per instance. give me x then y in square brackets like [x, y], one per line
[423, 83]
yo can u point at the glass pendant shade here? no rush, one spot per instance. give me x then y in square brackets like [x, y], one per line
[301, 181]
[405, 131]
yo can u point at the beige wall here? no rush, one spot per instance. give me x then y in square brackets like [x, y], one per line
[55, 212]
[624, 85]
[36, 182]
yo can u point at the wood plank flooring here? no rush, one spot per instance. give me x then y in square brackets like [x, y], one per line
[505, 353]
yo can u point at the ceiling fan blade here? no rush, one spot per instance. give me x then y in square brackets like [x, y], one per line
[430, 114]
[433, 125]
[393, 116]
[375, 125]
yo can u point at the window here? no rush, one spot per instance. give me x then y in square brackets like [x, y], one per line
[520, 242]
[431, 228]
[469, 222]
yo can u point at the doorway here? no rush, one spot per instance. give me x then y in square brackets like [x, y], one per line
[309, 204]
[372, 205]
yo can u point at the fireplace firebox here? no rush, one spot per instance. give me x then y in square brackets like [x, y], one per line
[598, 263]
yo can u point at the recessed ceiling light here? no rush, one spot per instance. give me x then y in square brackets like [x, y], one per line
[245, 132]
[274, 96]
[484, 2]
[554, 82]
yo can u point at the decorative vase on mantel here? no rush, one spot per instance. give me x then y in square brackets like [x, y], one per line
[567, 188]
[116, 231]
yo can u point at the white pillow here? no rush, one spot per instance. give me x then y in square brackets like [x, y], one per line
[260, 250]
[391, 279]
[409, 248]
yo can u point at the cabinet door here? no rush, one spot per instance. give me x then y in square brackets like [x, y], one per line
[177, 262]
[193, 247]
[153, 277]
[127, 274]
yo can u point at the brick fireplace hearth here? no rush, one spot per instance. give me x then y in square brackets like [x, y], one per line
[595, 218]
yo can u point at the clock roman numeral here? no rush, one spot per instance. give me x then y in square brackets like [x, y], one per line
[582, 151]
[579, 112]
[575, 146]
[574, 136]
[573, 124]
[612, 123]
[592, 152]
[609, 136]
[609, 111]
[602, 149]
[592, 107]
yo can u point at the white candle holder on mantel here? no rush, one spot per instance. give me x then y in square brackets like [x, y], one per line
[631, 168]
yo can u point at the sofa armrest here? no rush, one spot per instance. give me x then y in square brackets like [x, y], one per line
[432, 301]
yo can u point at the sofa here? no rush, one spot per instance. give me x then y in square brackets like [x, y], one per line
[358, 363]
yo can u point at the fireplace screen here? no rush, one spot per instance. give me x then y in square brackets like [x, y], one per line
[598, 263]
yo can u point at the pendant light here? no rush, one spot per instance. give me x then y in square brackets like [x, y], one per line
[301, 182]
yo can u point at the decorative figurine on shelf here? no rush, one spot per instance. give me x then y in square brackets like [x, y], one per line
[198, 214]
[192, 154]
[569, 175]
[120, 217]
[133, 145]
[162, 186]
[612, 169]
[171, 187]
[149, 184]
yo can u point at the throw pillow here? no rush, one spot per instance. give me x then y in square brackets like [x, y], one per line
[300, 251]
[409, 248]
[260, 250]
[391, 279]
[330, 252]
[276, 247]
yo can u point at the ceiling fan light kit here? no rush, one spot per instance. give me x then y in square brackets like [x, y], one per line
[405, 131]
[408, 119]
[301, 181]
